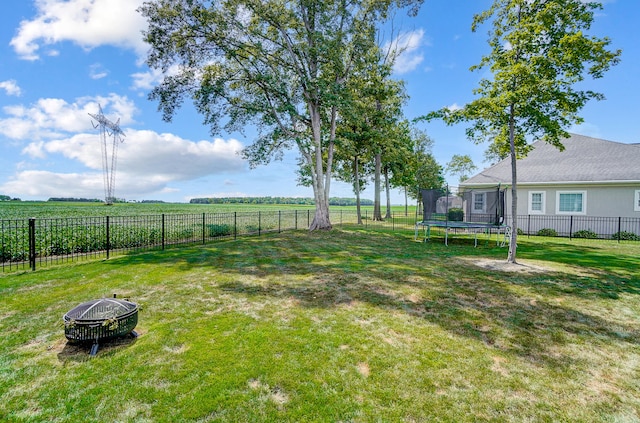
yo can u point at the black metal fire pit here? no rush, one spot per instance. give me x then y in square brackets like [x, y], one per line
[100, 320]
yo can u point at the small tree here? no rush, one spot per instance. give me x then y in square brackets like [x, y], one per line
[461, 165]
[419, 168]
[539, 52]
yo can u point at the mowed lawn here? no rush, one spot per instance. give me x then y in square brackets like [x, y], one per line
[348, 325]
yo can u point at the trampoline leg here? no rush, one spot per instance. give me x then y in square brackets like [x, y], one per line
[94, 348]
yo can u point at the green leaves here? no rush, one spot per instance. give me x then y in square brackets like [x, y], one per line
[539, 50]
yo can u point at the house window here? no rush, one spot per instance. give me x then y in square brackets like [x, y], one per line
[536, 202]
[636, 203]
[571, 202]
[479, 202]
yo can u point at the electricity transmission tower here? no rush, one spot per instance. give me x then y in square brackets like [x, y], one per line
[110, 136]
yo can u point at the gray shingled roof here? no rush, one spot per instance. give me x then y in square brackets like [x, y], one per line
[584, 159]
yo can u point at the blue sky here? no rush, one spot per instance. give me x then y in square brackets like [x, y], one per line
[61, 59]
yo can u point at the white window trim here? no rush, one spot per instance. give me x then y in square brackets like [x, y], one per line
[584, 202]
[636, 201]
[484, 202]
[543, 200]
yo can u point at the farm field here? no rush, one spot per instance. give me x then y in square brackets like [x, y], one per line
[352, 324]
[47, 209]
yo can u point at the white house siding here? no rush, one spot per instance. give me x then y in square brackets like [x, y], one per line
[601, 201]
[608, 209]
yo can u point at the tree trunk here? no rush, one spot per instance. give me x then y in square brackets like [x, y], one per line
[406, 202]
[387, 188]
[321, 218]
[377, 214]
[513, 242]
[356, 187]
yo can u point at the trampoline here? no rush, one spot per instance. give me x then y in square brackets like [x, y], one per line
[470, 227]
[477, 211]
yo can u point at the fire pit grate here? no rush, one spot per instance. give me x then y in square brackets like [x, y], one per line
[100, 320]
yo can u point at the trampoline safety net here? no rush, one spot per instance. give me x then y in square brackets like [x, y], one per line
[479, 205]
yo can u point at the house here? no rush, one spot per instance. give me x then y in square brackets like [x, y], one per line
[591, 177]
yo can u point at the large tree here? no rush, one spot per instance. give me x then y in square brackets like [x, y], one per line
[540, 51]
[281, 65]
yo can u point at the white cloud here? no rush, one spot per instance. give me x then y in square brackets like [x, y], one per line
[151, 78]
[147, 162]
[62, 137]
[453, 107]
[406, 50]
[54, 118]
[87, 23]
[11, 87]
[39, 183]
[97, 71]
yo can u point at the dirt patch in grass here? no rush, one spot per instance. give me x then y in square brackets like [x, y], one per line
[503, 266]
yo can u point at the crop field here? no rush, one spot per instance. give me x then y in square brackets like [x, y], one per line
[37, 234]
[47, 209]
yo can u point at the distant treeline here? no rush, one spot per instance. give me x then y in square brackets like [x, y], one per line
[75, 200]
[304, 201]
[7, 198]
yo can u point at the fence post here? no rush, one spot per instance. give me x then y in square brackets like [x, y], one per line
[259, 223]
[32, 243]
[570, 226]
[279, 220]
[295, 214]
[308, 218]
[619, 228]
[108, 239]
[163, 231]
[203, 225]
[366, 219]
[529, 226]
[235, 225]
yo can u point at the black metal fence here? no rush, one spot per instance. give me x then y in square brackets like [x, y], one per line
[33, 243]
[616, 228]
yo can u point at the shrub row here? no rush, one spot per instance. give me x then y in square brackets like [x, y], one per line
[589, 234]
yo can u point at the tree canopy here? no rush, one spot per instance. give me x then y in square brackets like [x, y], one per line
[281, 65]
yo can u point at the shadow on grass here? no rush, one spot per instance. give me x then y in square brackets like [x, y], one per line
[78, 352]
[528, 315]
[581, 254]
[497, 317]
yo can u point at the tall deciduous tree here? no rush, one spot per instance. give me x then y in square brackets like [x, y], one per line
[282, 65]
[539, 52]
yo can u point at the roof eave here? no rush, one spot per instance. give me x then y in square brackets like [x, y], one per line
[551, 183]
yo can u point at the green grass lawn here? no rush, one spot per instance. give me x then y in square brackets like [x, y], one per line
[347, 325]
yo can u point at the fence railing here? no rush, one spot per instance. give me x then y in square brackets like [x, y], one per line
[616, 228]
[33, 243]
